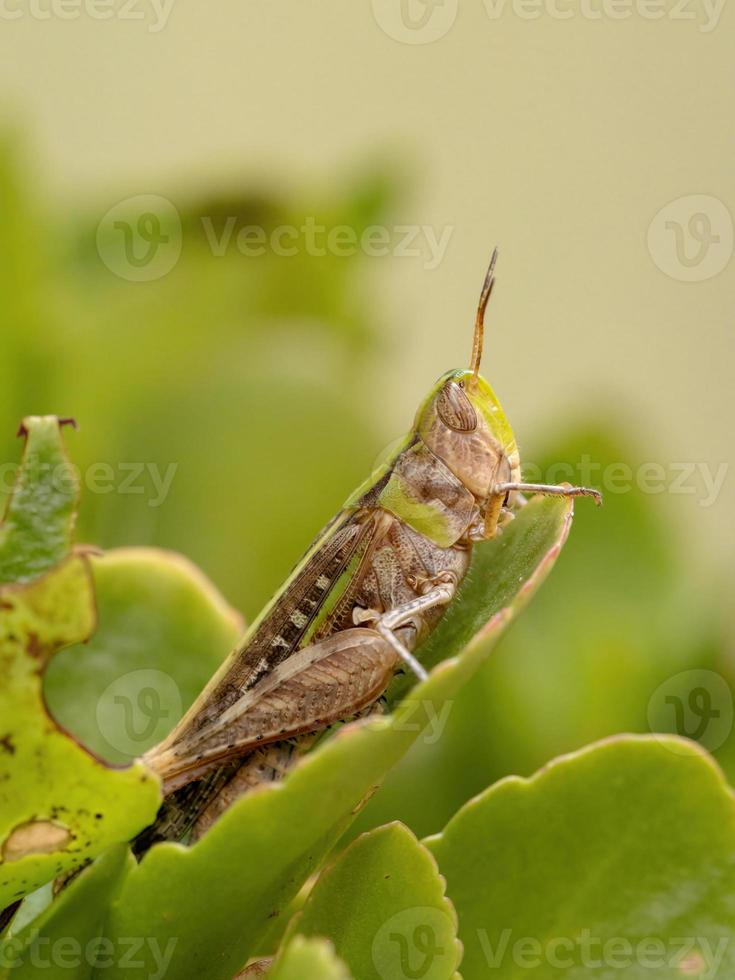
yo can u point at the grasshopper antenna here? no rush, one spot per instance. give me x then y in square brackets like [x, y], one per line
[487, 288]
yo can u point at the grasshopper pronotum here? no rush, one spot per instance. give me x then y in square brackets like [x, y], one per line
[370, 588]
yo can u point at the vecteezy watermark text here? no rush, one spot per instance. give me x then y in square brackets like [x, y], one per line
[421, 716]
[99, 953]
[426, 21]
[154, 13]
[315, 239]
[705, 12]
[702, 480]
[696, 956]
[141, 479]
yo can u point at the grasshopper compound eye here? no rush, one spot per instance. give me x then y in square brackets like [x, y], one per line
[455, 409]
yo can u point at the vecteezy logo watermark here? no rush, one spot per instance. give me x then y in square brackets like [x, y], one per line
[414, 945]
[608, 956]
[137, 710]
[696, 704]
[691, 238]
[67, 953]
[154, 13]
[415, 21]
[139, 239]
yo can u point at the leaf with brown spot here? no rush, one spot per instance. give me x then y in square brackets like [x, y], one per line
[35, 837]
[50, 787]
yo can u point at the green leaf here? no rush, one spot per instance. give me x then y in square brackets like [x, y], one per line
[275, 838]
[59, 805]
[382, 904]
[308, 959]
[618, 860]
[36, 531]
[65, 938]
[162, 631]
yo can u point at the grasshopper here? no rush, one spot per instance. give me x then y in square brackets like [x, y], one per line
[368, 591]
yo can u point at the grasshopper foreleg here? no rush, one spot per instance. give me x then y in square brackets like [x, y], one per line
[560, 490]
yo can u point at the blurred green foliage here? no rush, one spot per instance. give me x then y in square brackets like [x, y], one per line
[241, 372]
[233, 370]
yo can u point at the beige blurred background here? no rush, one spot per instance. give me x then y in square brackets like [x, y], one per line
[558, 131]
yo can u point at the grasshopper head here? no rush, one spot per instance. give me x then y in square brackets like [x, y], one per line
[462, 422]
